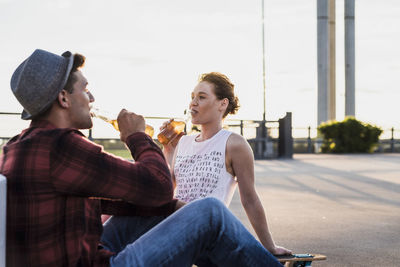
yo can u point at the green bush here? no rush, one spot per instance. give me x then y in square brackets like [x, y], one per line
[349, 136]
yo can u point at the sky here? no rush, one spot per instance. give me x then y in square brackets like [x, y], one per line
[146, 55]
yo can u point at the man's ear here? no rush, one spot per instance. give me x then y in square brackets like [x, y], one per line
[63, 99]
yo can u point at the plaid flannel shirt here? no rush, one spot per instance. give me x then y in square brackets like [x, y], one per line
[59, 183]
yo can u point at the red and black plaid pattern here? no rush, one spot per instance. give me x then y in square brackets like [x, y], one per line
[58, 182]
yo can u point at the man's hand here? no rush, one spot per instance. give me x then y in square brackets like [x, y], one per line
[129, 123]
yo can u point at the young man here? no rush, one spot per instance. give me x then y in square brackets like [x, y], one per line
[59, 183]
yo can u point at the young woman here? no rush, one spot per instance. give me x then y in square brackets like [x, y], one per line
[215, 161]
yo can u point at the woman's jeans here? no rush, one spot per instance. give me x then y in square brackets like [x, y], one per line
[201, 232]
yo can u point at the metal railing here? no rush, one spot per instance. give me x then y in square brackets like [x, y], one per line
[304, 138]
[268, 145]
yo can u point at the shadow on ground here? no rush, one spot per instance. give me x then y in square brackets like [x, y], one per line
[344, 206]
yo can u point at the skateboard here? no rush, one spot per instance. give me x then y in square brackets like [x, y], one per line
[299, 260]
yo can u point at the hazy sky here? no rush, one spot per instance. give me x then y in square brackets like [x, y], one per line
[146, 55]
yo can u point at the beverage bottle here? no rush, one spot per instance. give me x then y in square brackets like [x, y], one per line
[105, 116]
[174, 128]
[171, 131]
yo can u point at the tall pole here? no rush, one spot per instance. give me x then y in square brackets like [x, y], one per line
[323, 60]
[263, 57]
[264, 136]
[332, 60]
[349, 52]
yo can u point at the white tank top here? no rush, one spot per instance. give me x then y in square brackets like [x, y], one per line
[200, 169]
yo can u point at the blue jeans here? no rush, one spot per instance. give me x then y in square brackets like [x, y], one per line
[202, 231]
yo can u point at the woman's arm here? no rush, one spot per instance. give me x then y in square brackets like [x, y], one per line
[170, 151]
[241, 162]
[169, 154]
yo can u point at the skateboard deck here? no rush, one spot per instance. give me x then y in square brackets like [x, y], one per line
[300, 260]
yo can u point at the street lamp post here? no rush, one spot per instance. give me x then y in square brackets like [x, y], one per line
[263, 127]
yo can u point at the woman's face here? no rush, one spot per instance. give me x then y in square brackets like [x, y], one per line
[205, 106]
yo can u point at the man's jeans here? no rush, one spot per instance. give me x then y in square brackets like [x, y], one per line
[201, 231]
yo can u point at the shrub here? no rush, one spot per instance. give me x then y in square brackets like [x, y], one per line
[349, 136]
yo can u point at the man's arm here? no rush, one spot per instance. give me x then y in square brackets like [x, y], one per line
[81, 167]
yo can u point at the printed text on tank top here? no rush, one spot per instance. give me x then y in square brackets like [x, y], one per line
[200, 169]
[228, 159]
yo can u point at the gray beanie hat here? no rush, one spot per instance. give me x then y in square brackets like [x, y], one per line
[38, 80]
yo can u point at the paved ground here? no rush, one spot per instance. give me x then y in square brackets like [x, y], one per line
[344, 206]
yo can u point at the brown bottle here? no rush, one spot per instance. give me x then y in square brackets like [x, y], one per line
[171, 131]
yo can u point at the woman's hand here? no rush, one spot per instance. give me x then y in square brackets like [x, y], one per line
[278, 250]
[170, 147]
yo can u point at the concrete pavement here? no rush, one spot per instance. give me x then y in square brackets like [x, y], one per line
[344, 206]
